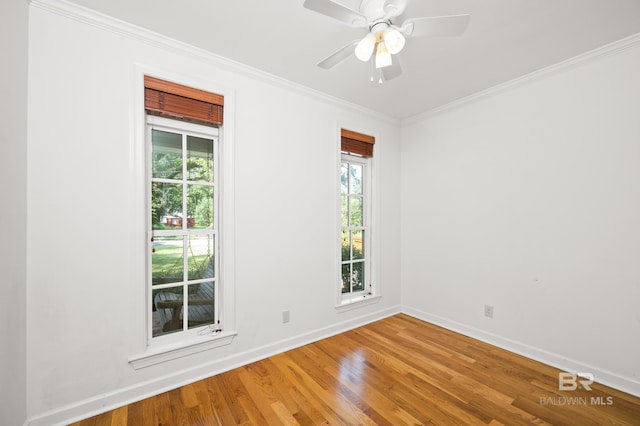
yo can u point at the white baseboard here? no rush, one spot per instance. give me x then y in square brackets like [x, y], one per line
[109, 401]
[604, 377]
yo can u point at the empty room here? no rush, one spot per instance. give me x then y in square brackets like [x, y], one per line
[320, 212]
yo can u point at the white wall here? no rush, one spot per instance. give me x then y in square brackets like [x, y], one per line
[86, 271]
[528, 200]
[13, 202]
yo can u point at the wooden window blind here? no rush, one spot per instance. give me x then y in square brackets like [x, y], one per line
[356, 143]
[182, 102]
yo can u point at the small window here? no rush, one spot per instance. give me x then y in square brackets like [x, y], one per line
[355, 217]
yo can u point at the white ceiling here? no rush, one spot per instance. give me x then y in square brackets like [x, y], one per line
[505, 39]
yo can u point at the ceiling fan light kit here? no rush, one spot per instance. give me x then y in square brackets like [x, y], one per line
[394, 40]
[383, 57]
[385, 40]
[384, 37]
[365, 47]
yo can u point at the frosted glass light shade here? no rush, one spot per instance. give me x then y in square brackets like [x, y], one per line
[383, 57]
[394, 40]
[365, 47]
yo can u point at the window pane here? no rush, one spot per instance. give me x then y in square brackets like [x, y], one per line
[355, 171]
[167, 310]
[166, 205]
[199, 159]
[344, 178]
[200, 206]
[167, 264]
[357, 240]
[357, 276]
[346, 273]
[346, 246]
[200, 257]
[355, 212]
[166, 158]
[201, 308]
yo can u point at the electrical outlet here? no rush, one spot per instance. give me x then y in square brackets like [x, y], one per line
[488, 311]
[285, 317]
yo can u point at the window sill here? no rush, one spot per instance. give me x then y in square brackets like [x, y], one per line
[349, 305]
[157, 355]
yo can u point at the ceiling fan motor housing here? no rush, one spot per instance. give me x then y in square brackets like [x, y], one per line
[379, 27]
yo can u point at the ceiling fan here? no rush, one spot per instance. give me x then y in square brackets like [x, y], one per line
[384, 38]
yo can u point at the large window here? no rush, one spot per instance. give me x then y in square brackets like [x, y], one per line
[183, 214]
[183, 191]
[189, 219]
[355, 216]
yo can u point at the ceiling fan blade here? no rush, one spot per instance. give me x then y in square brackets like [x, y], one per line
[336, 11]
[338, 56]
[436, 26]
[393, 70]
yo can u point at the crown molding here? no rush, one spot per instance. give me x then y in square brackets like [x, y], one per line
[606, 50]
[108, 23]
[126, 29]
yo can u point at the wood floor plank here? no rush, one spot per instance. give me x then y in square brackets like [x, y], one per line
[260, 393]
[305, 411]
[119, 416]
[411, 393]
[139, 411]
[278, 389]
[351, 375]
[318, 389]
[162, 410]
[235, 394]
[223, 414]
[396, 371]
[308, 358]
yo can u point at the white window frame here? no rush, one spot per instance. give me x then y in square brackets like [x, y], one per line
[179, 344]
[369, 293]
[185, 129]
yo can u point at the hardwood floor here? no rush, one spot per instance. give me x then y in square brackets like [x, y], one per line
[396, 371]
